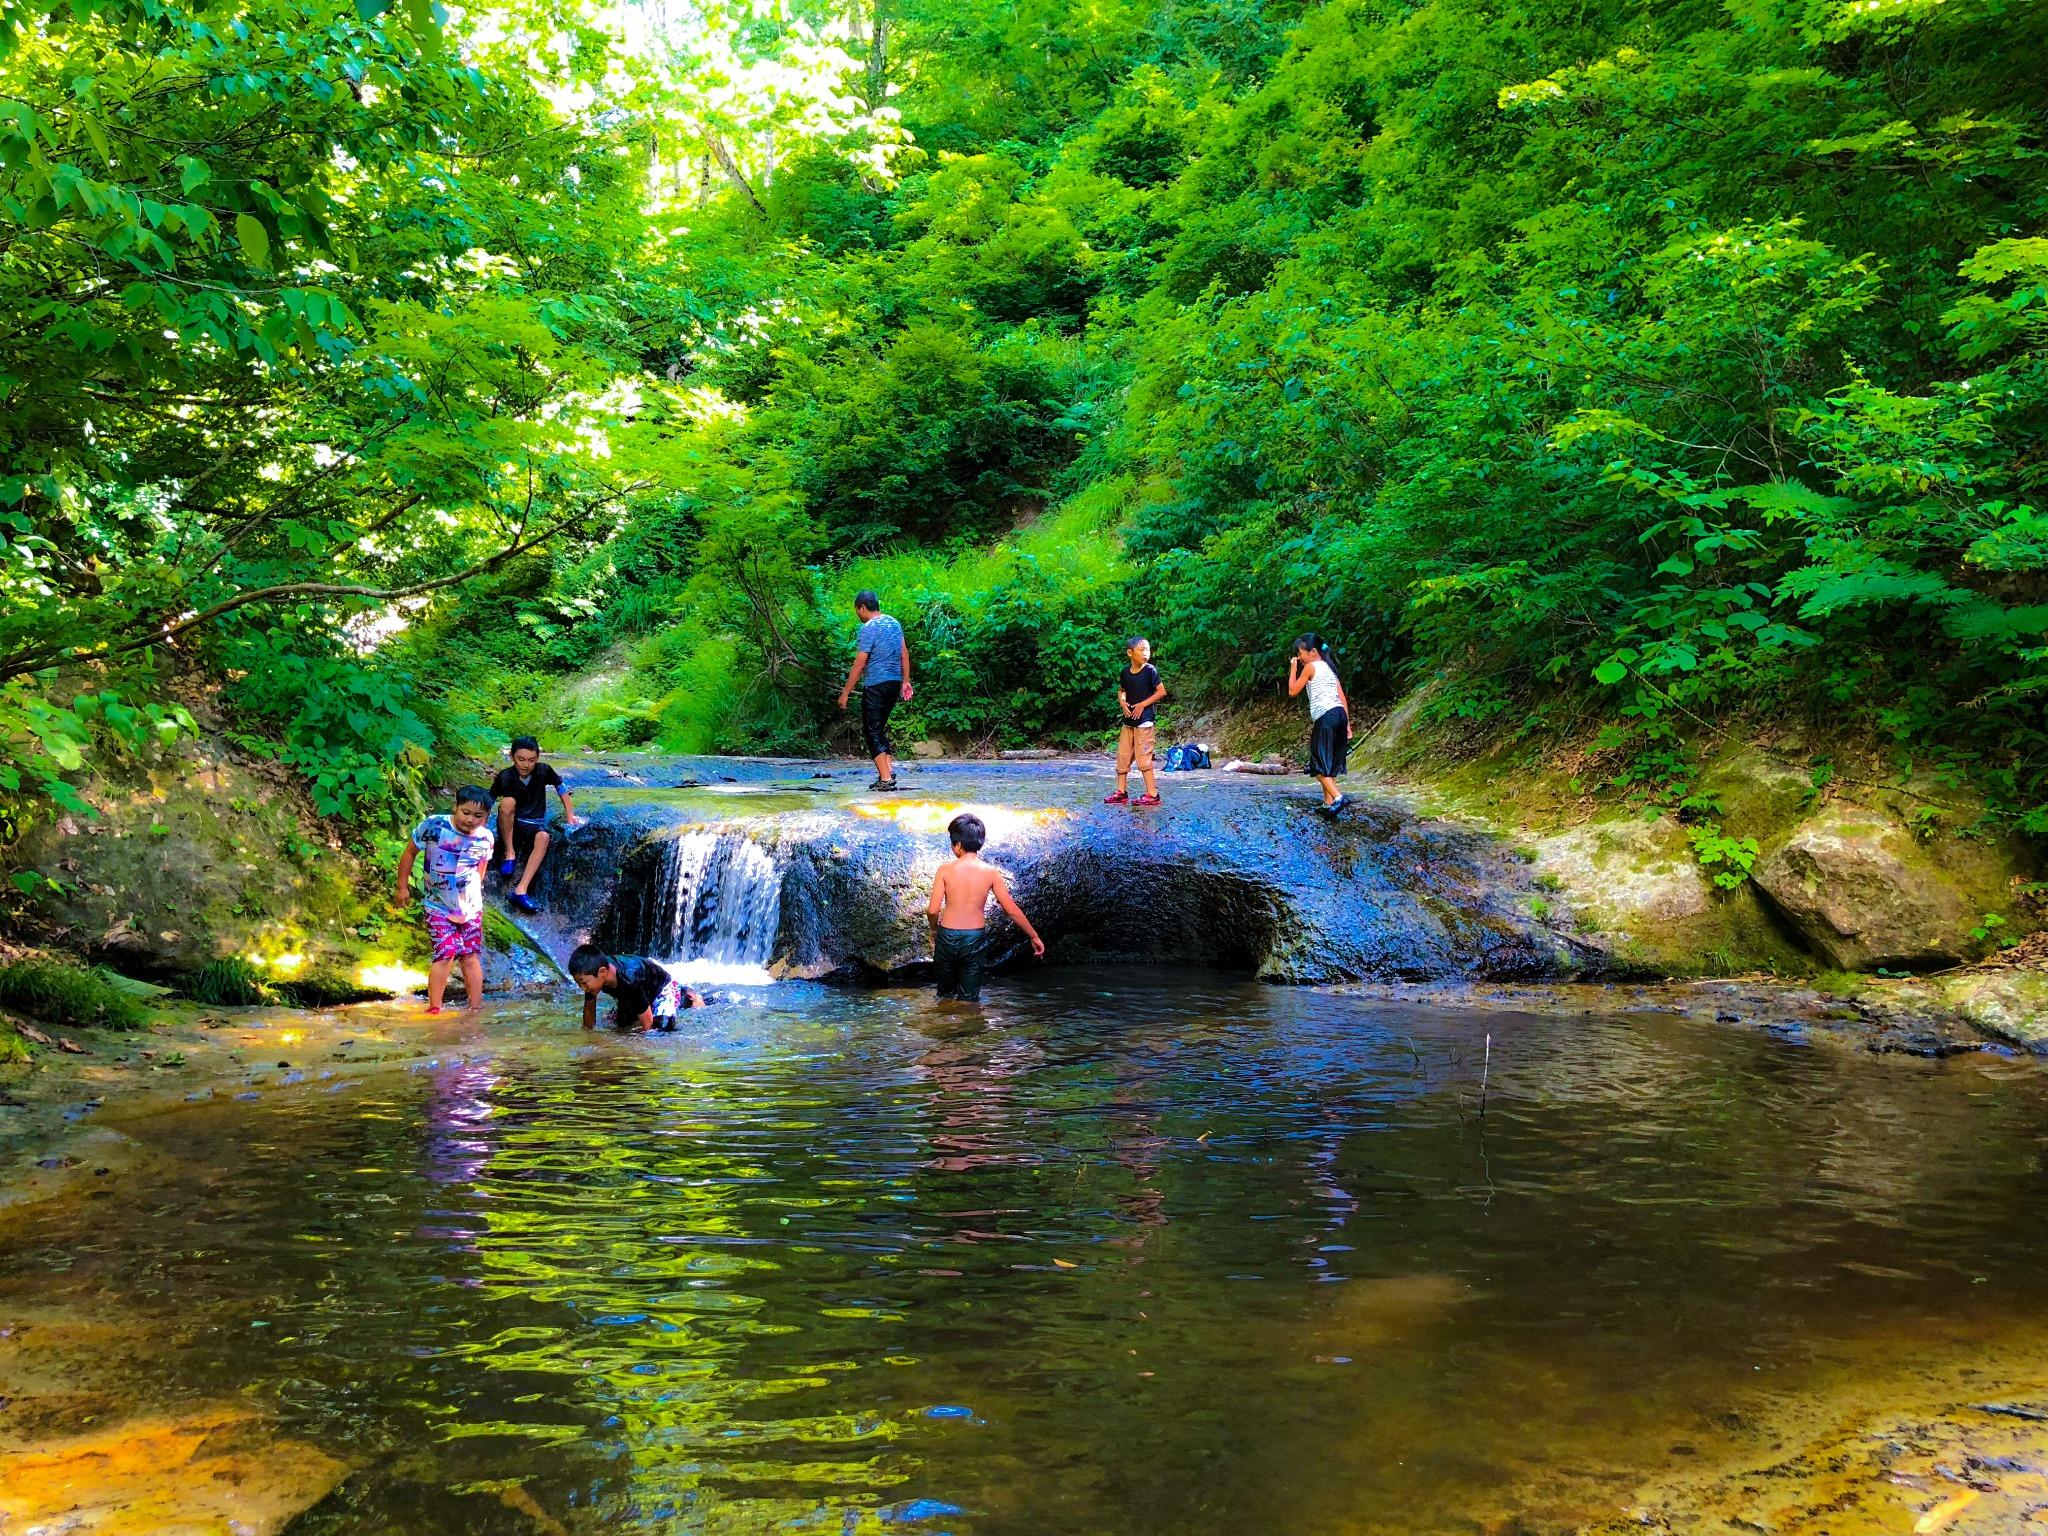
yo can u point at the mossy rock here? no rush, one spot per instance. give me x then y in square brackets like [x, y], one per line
[195, 855]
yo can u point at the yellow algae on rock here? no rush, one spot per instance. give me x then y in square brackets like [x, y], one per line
[218, 1472]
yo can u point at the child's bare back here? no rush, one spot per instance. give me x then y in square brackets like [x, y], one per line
[958, 912]
[961, 889]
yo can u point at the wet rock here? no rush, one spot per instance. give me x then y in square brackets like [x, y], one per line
[928, 749]
[1861, 895]
[217, 1470]
[1237, 875]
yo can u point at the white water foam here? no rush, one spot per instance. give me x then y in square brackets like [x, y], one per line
[718, 921]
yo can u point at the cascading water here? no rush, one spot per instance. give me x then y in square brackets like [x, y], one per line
[719, 913]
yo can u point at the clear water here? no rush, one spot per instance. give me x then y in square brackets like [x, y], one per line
[1133, 1253]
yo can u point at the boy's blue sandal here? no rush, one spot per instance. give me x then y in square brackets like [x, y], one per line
[524, 902]
[508, 868]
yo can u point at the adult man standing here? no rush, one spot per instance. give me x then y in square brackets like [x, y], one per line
[881, 667]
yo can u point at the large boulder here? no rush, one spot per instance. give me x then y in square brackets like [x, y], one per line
[191, 853]
[1861, 893]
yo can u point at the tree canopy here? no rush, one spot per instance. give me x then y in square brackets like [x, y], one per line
[1655, 365]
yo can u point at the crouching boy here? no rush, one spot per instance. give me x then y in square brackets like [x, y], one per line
[644, 995]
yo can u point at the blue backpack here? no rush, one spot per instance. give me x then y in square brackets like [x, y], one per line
[1185, 758]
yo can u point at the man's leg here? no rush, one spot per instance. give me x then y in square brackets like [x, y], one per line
[533, 862]
[473, 979]
[507, 821]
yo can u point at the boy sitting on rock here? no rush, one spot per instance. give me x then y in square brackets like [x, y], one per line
[644, 995]
[958, 912]
[521, 793]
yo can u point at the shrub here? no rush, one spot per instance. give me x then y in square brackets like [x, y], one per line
[70, 995]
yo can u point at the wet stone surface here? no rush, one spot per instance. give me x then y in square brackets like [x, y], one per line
[1230, 871]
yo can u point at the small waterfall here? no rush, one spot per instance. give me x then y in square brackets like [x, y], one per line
[717, 917]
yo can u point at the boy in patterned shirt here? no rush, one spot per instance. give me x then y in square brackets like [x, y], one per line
[457, 847]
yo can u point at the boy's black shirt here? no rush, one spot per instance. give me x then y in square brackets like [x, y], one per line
[529, 799]
[1141, 684]
[638, 983]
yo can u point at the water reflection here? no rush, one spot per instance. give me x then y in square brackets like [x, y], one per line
[1126, 1254]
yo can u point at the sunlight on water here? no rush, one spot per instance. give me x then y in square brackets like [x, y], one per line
[932, 816]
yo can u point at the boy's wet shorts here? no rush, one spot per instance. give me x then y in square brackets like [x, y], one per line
[523, 835]
[958, 955]
[453, 938]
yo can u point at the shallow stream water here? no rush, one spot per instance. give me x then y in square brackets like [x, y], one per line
[1133, 1252]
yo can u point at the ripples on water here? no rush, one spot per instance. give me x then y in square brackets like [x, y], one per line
[1131, 1254]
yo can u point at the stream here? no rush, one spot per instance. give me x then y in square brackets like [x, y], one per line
[1141, 1248]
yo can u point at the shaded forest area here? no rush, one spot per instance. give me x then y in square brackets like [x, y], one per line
[392, 378]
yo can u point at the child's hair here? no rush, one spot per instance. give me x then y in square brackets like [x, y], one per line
[1311, 642]
[867, 599]
[967, 832]
[587, 960]
[525, 744]
[1134, 642]
[473, 794]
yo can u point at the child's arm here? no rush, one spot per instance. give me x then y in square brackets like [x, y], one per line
[1157, 693]
[1297, 675]
[860, 665]
[906, 666]
[938, 902]
[646, 1020]
[1016, 914]
[568, 807]
[405, 862]
[590, 1010]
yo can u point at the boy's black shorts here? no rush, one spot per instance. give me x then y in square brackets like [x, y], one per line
[875, 704]
[958, 957]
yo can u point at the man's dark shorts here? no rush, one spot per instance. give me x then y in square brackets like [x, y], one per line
[875, 704]
[958, 956]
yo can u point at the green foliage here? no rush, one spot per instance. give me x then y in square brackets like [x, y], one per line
[1641, 366]
[231, 982]
[319, 987]
[71, 996]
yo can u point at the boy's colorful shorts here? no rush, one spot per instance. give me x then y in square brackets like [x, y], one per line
[453, 938]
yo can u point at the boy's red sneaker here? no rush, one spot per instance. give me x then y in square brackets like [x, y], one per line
[437, 1010]
[1119, 798]
[1146, 800]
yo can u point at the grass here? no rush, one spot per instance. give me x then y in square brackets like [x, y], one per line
[68, 995]
[231, 982]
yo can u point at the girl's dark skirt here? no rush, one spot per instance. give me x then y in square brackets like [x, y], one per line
[1329, 744]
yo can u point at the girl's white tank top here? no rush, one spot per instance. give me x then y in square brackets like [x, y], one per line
[1323, 693]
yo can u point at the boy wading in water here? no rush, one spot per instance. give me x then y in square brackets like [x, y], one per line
[456, 847]
[881, 666]
[959, 909]
[1138, 693]
[644, 995]
[521, 793]
[1329, 714]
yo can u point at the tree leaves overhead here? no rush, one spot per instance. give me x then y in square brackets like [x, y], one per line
[1661, 363]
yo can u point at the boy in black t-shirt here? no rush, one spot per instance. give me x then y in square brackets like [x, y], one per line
[521, 793]
[645, 995]
[1138, 692]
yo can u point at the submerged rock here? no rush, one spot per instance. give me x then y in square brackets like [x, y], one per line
[215, 1470]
